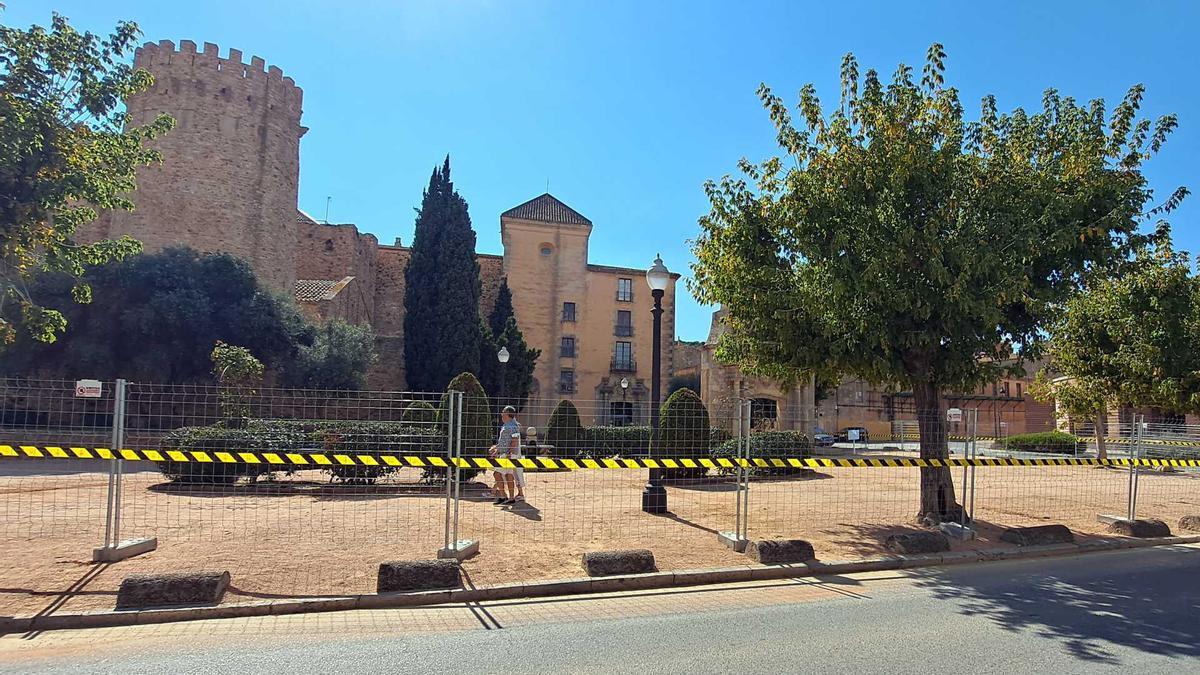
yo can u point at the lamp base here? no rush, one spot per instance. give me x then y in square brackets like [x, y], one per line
[654, 499]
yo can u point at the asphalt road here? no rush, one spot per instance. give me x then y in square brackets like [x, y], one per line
[1135, 611]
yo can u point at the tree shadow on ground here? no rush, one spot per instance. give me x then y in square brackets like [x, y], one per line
[1152, 612]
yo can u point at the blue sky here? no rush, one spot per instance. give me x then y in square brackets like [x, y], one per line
[626, 108]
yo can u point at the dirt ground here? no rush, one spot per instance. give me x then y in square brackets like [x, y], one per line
[300, 536]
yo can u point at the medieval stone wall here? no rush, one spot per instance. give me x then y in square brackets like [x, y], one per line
[230, 172]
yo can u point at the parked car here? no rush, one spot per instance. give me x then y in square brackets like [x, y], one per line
[845, 434]
[822, 439]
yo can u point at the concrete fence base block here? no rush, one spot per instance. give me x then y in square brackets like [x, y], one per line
[125, 549]
[733, 541]
[917, 542]
[1038, 535]
[608, 563]
[461, 550]
[1141, 528]
[1190, 523]
[138, 591]
[418, 575]
[780, 551]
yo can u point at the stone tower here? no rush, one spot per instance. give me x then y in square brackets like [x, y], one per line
[230, 169]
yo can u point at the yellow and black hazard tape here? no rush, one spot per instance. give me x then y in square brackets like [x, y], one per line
[318, 460]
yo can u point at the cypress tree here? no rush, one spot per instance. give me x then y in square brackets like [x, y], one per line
[502, 311]
[502, 331]
[442, 331]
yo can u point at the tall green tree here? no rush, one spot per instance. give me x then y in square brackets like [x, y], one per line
[156, 317]
[510, 383]
[517, 374]
[899, 242]
[1131, 339]
[502, 311]
[443, 335]
[66, 149]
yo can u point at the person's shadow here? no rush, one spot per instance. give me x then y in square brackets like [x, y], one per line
[526, 510]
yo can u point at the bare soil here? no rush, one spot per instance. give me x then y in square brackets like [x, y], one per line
[300, 536]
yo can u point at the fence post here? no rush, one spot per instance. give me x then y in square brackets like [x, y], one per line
[450, 471]
[736, 539]
[455, 548]
[114, 549]
[1135, 454]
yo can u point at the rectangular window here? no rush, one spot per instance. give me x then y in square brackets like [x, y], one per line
[566, 381]
[625, 290]
[623, 358]
[568, 311]
[624, 326]
[1018, 390]
[568, 347]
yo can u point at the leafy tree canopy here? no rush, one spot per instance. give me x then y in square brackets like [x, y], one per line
[1132, 338]
[66, 149]
[156, 318]
[900, 242]
[338, 358]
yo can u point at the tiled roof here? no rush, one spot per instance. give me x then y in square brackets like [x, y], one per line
[546, 209]
[316, 290]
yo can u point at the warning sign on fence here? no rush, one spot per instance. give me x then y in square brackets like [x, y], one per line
[88, 389]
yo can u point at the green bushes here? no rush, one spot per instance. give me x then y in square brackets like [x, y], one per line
[565, 432]
[282, 436]
[248, 436]
[420, 414]
[602, 442]
[479, 428]
[770, 445]
[1044, 441]
[683, 431]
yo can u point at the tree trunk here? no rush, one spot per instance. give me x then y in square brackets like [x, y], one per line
[1101, 432]
[937, 488]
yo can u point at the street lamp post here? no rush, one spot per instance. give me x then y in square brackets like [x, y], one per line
[502, 357]
[625, 416]
[654, 497]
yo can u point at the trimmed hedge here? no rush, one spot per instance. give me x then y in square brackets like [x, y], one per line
[770, 445]
[279, 436]
[479, 427]
[420, 414]
[605, 441]
[247, 436]
[1044, 441]
[565, 432]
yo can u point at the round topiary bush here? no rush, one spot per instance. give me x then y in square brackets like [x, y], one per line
[479, 430]
[565, 432]
[684, 431]
[420, 414]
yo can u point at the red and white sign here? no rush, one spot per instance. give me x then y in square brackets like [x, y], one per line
[954, 415]
[88, 389]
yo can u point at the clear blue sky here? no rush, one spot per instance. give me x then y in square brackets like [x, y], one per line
[627, 107]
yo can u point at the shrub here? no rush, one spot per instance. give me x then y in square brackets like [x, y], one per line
[683, 431]
[420, 413]
[374, 438]
[565, 432]
[345, 437]
[1044, 441]
[479, 432]
[249, 436]
[604, 441]
[770, 445]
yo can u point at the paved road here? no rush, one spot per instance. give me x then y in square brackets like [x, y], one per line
[1135, 611]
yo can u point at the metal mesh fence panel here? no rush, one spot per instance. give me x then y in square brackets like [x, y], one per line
[301, 492]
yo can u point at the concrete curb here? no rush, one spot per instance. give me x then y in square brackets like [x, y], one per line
[541, 589]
